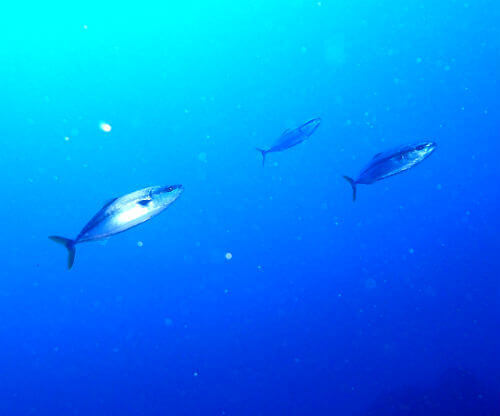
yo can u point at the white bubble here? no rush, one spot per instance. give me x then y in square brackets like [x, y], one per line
[140, 244]
[66, 139]
[229, 256]
[105, 127]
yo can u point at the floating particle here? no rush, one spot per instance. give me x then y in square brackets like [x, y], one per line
[229, 256]
[168, 322]
[202, 157]
[105, 127]
[411, 251]
[195, 374]
[66, 139]
[85, 27]
[140, 244]
[439, 186]
[370, 283]
[335, 51]
[419, 60]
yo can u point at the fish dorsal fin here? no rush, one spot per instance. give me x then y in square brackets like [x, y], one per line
[144, 202]
[107, 204]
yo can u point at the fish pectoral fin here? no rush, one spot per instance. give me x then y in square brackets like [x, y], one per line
[144, 202]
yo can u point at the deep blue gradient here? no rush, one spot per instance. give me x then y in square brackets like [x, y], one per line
[386, 306]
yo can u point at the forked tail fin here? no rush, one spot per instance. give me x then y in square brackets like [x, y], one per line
[353, 184]
[263, 154]
[70, 246]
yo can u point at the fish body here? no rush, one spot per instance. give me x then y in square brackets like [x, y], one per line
[292, 137]
[392, 162]
[121, 214]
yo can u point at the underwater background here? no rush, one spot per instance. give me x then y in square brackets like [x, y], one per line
[262, 290]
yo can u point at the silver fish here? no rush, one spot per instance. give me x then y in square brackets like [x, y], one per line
[292, 137]
[122, 213]
[392, 162]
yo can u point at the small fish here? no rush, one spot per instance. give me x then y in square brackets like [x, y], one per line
[122, 213]
[392, 162]
[292, 137]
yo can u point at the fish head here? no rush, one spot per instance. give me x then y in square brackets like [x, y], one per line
[165, 195]
[310, 127]
[422, 150]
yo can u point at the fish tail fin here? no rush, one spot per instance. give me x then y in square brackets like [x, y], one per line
[353, 184]
[70, 246]
[263, 154]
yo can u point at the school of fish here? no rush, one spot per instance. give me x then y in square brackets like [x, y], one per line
[122, 213]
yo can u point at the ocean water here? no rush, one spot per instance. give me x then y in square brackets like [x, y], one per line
[261, 290]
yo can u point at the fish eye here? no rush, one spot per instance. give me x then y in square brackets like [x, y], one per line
[170, 189]
[421, 146]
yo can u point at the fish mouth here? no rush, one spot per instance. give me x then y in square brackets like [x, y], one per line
[426, 146]
[431, 147]
[314, 123]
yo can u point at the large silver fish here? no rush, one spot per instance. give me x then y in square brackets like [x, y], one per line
[292, 137]
[392, 162]
[122, 213]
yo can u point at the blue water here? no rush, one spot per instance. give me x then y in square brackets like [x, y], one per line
[261, 291]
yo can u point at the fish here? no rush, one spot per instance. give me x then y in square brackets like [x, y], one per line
[121, 214]
[291, 137]
[392, 162]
